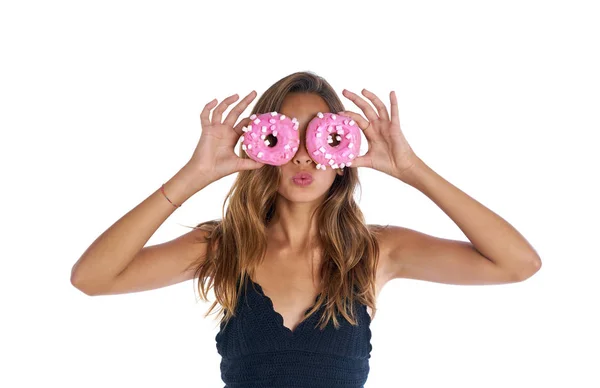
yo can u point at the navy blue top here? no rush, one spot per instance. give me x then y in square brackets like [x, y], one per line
[257, 350]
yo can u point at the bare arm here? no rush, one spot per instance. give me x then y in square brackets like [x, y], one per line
[118, 262]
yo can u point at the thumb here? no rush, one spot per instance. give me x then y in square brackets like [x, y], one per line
[238, 128]
[250, 164]
[360, 161]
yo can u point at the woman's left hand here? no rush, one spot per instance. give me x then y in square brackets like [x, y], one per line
[388, 151]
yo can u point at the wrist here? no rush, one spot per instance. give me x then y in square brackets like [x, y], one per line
[193, 179]
[412, 174]
[181, 187]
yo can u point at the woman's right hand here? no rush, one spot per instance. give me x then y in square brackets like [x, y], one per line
[214, 156]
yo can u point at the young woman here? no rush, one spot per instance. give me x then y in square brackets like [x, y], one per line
[314, 267]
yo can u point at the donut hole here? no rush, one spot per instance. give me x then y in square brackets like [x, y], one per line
[272, 140]
[334, 141]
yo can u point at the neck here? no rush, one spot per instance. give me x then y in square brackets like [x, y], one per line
[291, 227]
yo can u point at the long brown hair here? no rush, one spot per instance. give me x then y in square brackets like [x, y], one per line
[237, 242]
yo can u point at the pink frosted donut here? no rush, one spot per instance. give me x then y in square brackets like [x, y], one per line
[332, 139]
[271, 138]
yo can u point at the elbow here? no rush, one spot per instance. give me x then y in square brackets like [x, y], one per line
[81, 285]
[533, 265]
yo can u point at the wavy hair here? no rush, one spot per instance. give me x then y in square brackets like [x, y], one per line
[237, 243]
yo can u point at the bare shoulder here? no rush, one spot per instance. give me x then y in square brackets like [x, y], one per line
[382, 235]
[396, 244]
[394, 241]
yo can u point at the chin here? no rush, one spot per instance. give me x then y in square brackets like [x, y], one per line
[308, 193]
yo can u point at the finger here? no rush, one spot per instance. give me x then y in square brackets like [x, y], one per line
[204, 115]
[238, 128]
[250, 164]
[362, 104]
[362, 161]
[237, 110]
[394, 108]
[381, 109]
[218, 112]
[363, 123]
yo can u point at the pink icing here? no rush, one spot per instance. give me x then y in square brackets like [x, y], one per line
[288, 140]
[257, 134]
[340, 155]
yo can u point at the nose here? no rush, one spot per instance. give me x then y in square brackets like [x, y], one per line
[301, 157]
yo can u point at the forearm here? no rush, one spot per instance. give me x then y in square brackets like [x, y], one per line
[489, 233]
[114, 249]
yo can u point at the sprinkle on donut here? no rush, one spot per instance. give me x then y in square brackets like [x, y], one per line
[273, 139]
[332, 140]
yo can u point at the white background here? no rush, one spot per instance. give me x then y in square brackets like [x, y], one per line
[100, 105]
